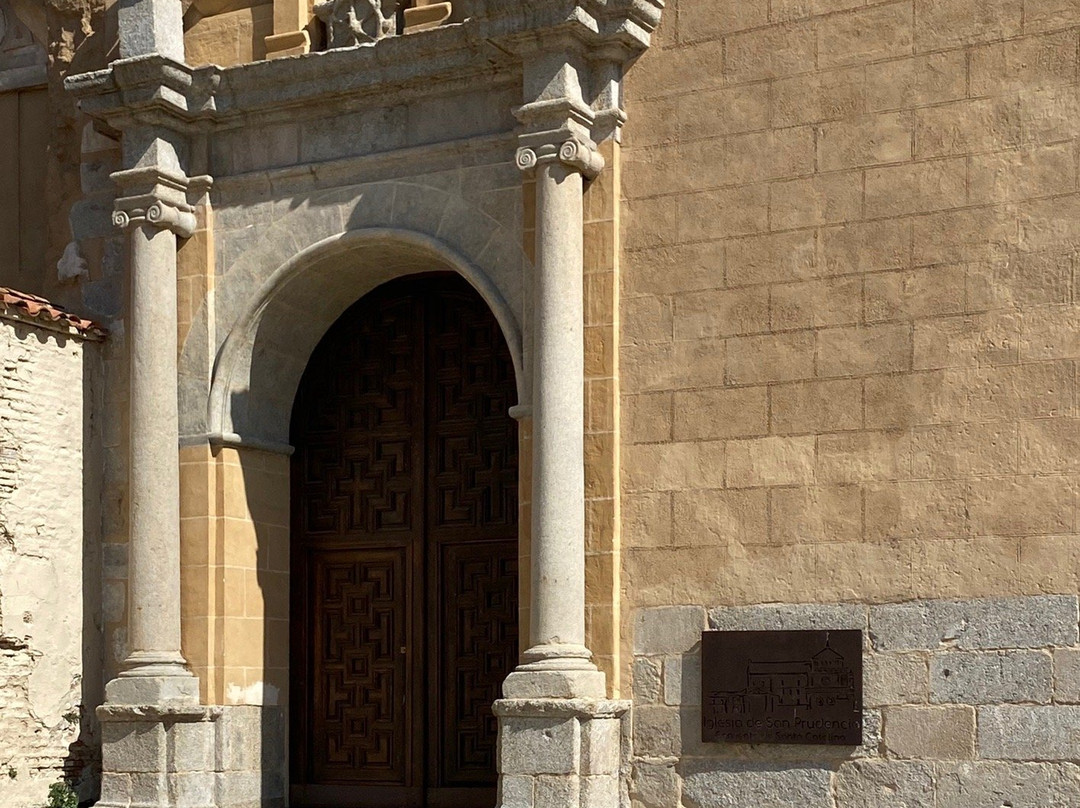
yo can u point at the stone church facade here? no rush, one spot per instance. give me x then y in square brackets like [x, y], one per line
[394, 396]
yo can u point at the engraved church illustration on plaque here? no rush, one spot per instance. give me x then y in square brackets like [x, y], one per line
[798, 687]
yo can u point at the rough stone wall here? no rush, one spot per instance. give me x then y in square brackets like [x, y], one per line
[968, 704]
[50, 657]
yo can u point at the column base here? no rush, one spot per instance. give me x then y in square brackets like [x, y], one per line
[157, 684]
[561, 752]
[556, 671]
[555, 684]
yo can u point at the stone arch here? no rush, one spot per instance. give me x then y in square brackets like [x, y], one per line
[326, 253]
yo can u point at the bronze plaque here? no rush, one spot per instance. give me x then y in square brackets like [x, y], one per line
[799, 687]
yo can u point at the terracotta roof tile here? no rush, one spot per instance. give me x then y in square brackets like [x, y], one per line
[31, 307]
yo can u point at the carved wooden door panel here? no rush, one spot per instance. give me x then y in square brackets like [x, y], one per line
[404, 551]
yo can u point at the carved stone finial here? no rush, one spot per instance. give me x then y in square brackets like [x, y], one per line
[357, 22]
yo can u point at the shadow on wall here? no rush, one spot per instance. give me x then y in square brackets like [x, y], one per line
[263, 769]
[82, 765]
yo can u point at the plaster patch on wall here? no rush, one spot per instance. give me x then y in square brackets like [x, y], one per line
[255, 693]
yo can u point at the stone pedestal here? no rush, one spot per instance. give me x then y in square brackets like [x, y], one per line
[158, 757]
[561, 753]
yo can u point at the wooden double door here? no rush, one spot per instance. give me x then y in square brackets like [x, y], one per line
[404, 552]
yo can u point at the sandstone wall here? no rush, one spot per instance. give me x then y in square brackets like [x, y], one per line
[50, 653]
[849, 334]
[848, 327]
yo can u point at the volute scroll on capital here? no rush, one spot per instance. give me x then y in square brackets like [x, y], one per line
[159, 198]
[576, 154]
[180, 219]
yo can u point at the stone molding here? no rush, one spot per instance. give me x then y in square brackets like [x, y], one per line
[326, 269]
[561, 708]
[157, 90]
[158, 197]
[157, 713]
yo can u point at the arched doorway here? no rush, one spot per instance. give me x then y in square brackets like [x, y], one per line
[403, 551]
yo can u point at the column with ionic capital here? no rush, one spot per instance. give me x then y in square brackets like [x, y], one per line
[556, 699]
[558, 665]
[154, 209]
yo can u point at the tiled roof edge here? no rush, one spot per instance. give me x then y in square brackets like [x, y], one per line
[16, 305]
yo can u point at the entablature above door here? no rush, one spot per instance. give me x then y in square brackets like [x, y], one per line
[157, 91]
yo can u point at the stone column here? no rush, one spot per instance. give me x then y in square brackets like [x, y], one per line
[154, 671]
[158, 742]
[558, 665]
[561, 740]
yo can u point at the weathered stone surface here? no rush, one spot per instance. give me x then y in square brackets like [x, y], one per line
[600, 752]
[657, 731]
[991, 677]
[1067, 675]
[884, 784]
[895, 679]
[539, 746]
[1014, 732]
[669, 630]
[1019, 785]
[600, 791]
[735, 784]
[682, 679]
[934, 733]
[648, 687]
[1029, 622]
[655, 785]
[556, 792]
[789, 617]
[516, 791]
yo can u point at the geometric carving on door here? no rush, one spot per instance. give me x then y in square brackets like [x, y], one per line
[481, 633]
[359, 674]
[404, 550]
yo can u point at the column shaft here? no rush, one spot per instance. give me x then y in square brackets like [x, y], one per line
[154, 551]
[558, 521]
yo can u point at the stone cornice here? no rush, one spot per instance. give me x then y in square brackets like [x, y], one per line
[157, 91]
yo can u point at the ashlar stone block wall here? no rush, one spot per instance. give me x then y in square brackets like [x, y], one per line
[50, 649]
[849, 336]
[849, 332]
[967, 704]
